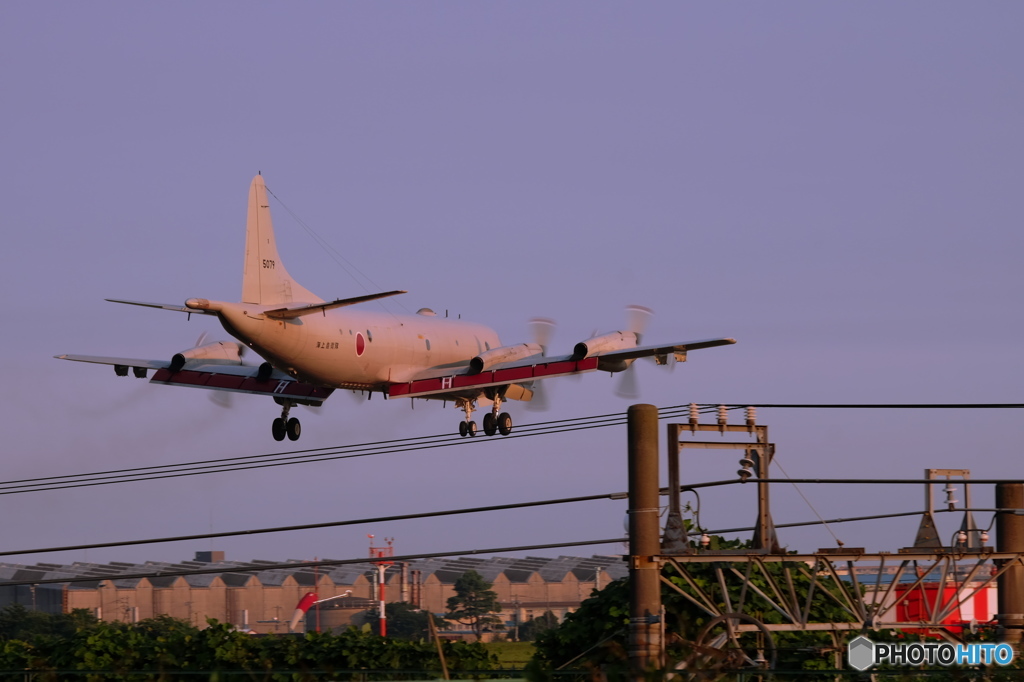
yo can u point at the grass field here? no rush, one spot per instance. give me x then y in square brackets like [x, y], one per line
[511, 654]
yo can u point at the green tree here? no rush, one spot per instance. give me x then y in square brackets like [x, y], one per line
[17, 622]
[160, 647]
[595, 634]
[529, 630]
[474, 603]
[405, 621]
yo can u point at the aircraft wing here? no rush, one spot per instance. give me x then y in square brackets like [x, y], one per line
[444, 383]
[458, 384]
[663, 350]
[217, 376]
[123, 362]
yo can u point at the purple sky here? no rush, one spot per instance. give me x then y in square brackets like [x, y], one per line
[835, 185]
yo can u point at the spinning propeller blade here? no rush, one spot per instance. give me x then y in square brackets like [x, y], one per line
[637, 318]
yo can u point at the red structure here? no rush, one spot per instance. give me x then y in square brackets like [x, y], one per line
[380, 556]
[919, 603]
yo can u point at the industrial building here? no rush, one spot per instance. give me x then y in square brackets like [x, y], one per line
[257, 598]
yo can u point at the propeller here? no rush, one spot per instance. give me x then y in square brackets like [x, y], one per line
[541, 330]
[628, 387]
[637, 318]
[222, 399]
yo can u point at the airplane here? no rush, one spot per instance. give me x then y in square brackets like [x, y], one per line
[311, 347]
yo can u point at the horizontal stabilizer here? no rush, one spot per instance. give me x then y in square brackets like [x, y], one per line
[289, 313]
[165, 306]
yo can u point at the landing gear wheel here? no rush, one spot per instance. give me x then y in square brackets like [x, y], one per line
[294, 429]
[278, 429]
[490, 424]
[471, 428]
[463, 429]
[504, 423]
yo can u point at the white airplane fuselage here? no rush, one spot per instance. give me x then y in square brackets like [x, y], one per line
[312, 346]
[355, 349]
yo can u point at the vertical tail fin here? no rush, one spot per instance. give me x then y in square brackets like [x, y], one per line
[264, 278]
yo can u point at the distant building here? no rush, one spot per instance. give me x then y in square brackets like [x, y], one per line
[262, 600]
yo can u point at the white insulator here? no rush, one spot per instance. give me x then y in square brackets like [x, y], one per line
[723, 415]
[751, 415]
[705, 540]
[950, 489]
[961, 538]
[984, 536]
[694, 413]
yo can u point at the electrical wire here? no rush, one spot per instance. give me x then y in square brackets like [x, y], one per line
[392, 446]
[294, 457]
[824, 523]
[257, 568]
[335, 255]
[314, 526]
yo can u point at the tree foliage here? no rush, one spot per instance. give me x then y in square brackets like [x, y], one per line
[529, 630]
[597, 631]
[595, 635]
[161, 646]
[474, 603]
[405, 621]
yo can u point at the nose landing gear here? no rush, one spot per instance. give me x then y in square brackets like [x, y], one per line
[467, 427]
[283, 426]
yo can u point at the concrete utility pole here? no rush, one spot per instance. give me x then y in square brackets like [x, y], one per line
[1010, 538]
[644, 540]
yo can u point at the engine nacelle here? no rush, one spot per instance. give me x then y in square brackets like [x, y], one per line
[219, 352]
[605, 343]
[497, 356]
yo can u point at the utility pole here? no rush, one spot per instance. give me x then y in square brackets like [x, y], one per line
[1010, 538]
[644, 541]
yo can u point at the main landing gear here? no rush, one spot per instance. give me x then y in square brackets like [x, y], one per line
[494, 421]
[283, 426]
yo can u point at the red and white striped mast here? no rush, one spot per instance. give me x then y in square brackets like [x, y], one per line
[380, 554]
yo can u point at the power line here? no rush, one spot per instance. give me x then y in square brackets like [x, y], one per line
[400, 445]
[314, 526]
[286, 458]
[305, 564]
[255, 568]
[887, 406]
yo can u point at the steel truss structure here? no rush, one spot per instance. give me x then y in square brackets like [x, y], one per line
[868, 601]
[867, 589]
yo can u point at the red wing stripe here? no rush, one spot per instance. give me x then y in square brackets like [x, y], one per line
[229, 382]
[497, 377]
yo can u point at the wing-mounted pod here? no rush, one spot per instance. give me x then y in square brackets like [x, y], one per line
[218, 352]
[607, 343]
[497, 356]
[637, 317]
